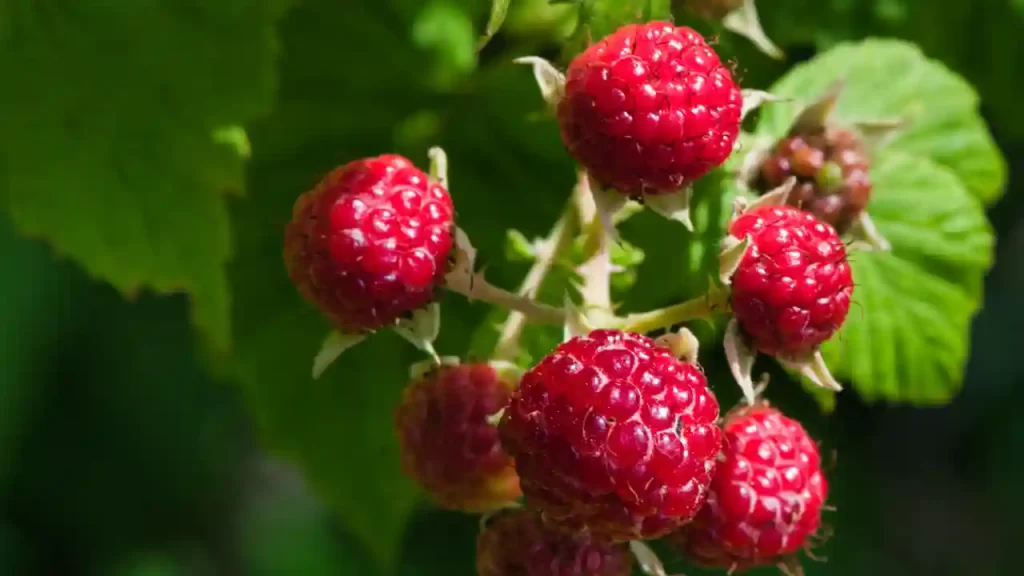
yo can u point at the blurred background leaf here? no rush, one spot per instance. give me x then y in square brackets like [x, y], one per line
[906, 336]
[889, 80]
[110, 156]
[980, 40]
[120, 455]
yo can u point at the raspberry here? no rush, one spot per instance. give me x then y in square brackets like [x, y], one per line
[766, 497]
[649, 109]
[516, 543]
[371, 242]
[791, 290]
[447, 443]
[614, 436]
[831, 168]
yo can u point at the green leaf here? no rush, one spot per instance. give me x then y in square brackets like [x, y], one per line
[30, 320]
[109, 151]
[678, 263]
[518, 248]
[499, 9]
[893, 80]
[335, 105]
[906, 337]
[445, 30]
[598, 18]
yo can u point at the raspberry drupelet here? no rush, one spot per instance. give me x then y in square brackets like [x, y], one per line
[447, 443]
[767, 496]
[791, 290]
[613, 436]
[516, 543]
[371, 242]
[831, 168]
[649, 109]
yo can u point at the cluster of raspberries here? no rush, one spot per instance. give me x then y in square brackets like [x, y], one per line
[610, 438]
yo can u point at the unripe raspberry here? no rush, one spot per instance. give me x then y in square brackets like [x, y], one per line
[649, 109]
[766, 498]
[371, 243]
[447, 443]
[516, 543]
[791, 290]
[831, 168]
[613, 436]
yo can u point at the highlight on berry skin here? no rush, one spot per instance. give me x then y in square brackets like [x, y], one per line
[791, 291]
[789, 287]
[613, 435]
[447, 442]
[516, 542]
[649, 109]
[370, 243]
[766, 499]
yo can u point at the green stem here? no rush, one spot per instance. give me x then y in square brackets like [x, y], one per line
[700, 307]
[548, 252]
[481, 289]
[596, 270]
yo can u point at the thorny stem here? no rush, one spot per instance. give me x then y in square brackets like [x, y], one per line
[548, 252]
[596, 270]
[480, 289]
[700, 307]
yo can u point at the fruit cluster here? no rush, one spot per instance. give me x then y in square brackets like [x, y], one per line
[613, 437]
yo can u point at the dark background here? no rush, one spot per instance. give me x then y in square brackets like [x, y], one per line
[120, 454]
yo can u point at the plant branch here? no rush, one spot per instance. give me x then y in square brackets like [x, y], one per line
[596, 270]
[700, 307]
[547, 252]
[478, 288]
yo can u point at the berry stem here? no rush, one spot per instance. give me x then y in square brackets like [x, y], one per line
[481, 289]
[548, 251]
[700, 307]
[596, 270]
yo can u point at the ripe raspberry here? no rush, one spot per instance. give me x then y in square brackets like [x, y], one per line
[832, 175]
[649, 109]
[766, 498]
[371, 242]
[448, 445]
[516, 543]
[792, 288]
[613, 434]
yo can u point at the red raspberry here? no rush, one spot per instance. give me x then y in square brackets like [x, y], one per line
[649, 109]
[516, 543]
[832, 175]
[766, 498]
[447, 443]
[371, 242]
[791, 291]
[613, 435]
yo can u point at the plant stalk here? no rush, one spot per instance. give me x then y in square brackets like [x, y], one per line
[558, 241]
[481, 289]
[596, 270]
[700, 307]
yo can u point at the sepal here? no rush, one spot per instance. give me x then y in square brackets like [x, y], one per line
[549, 79]
[745, 22]
[333, 346]
[422, 328]
[741, 358]
[674, 206]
